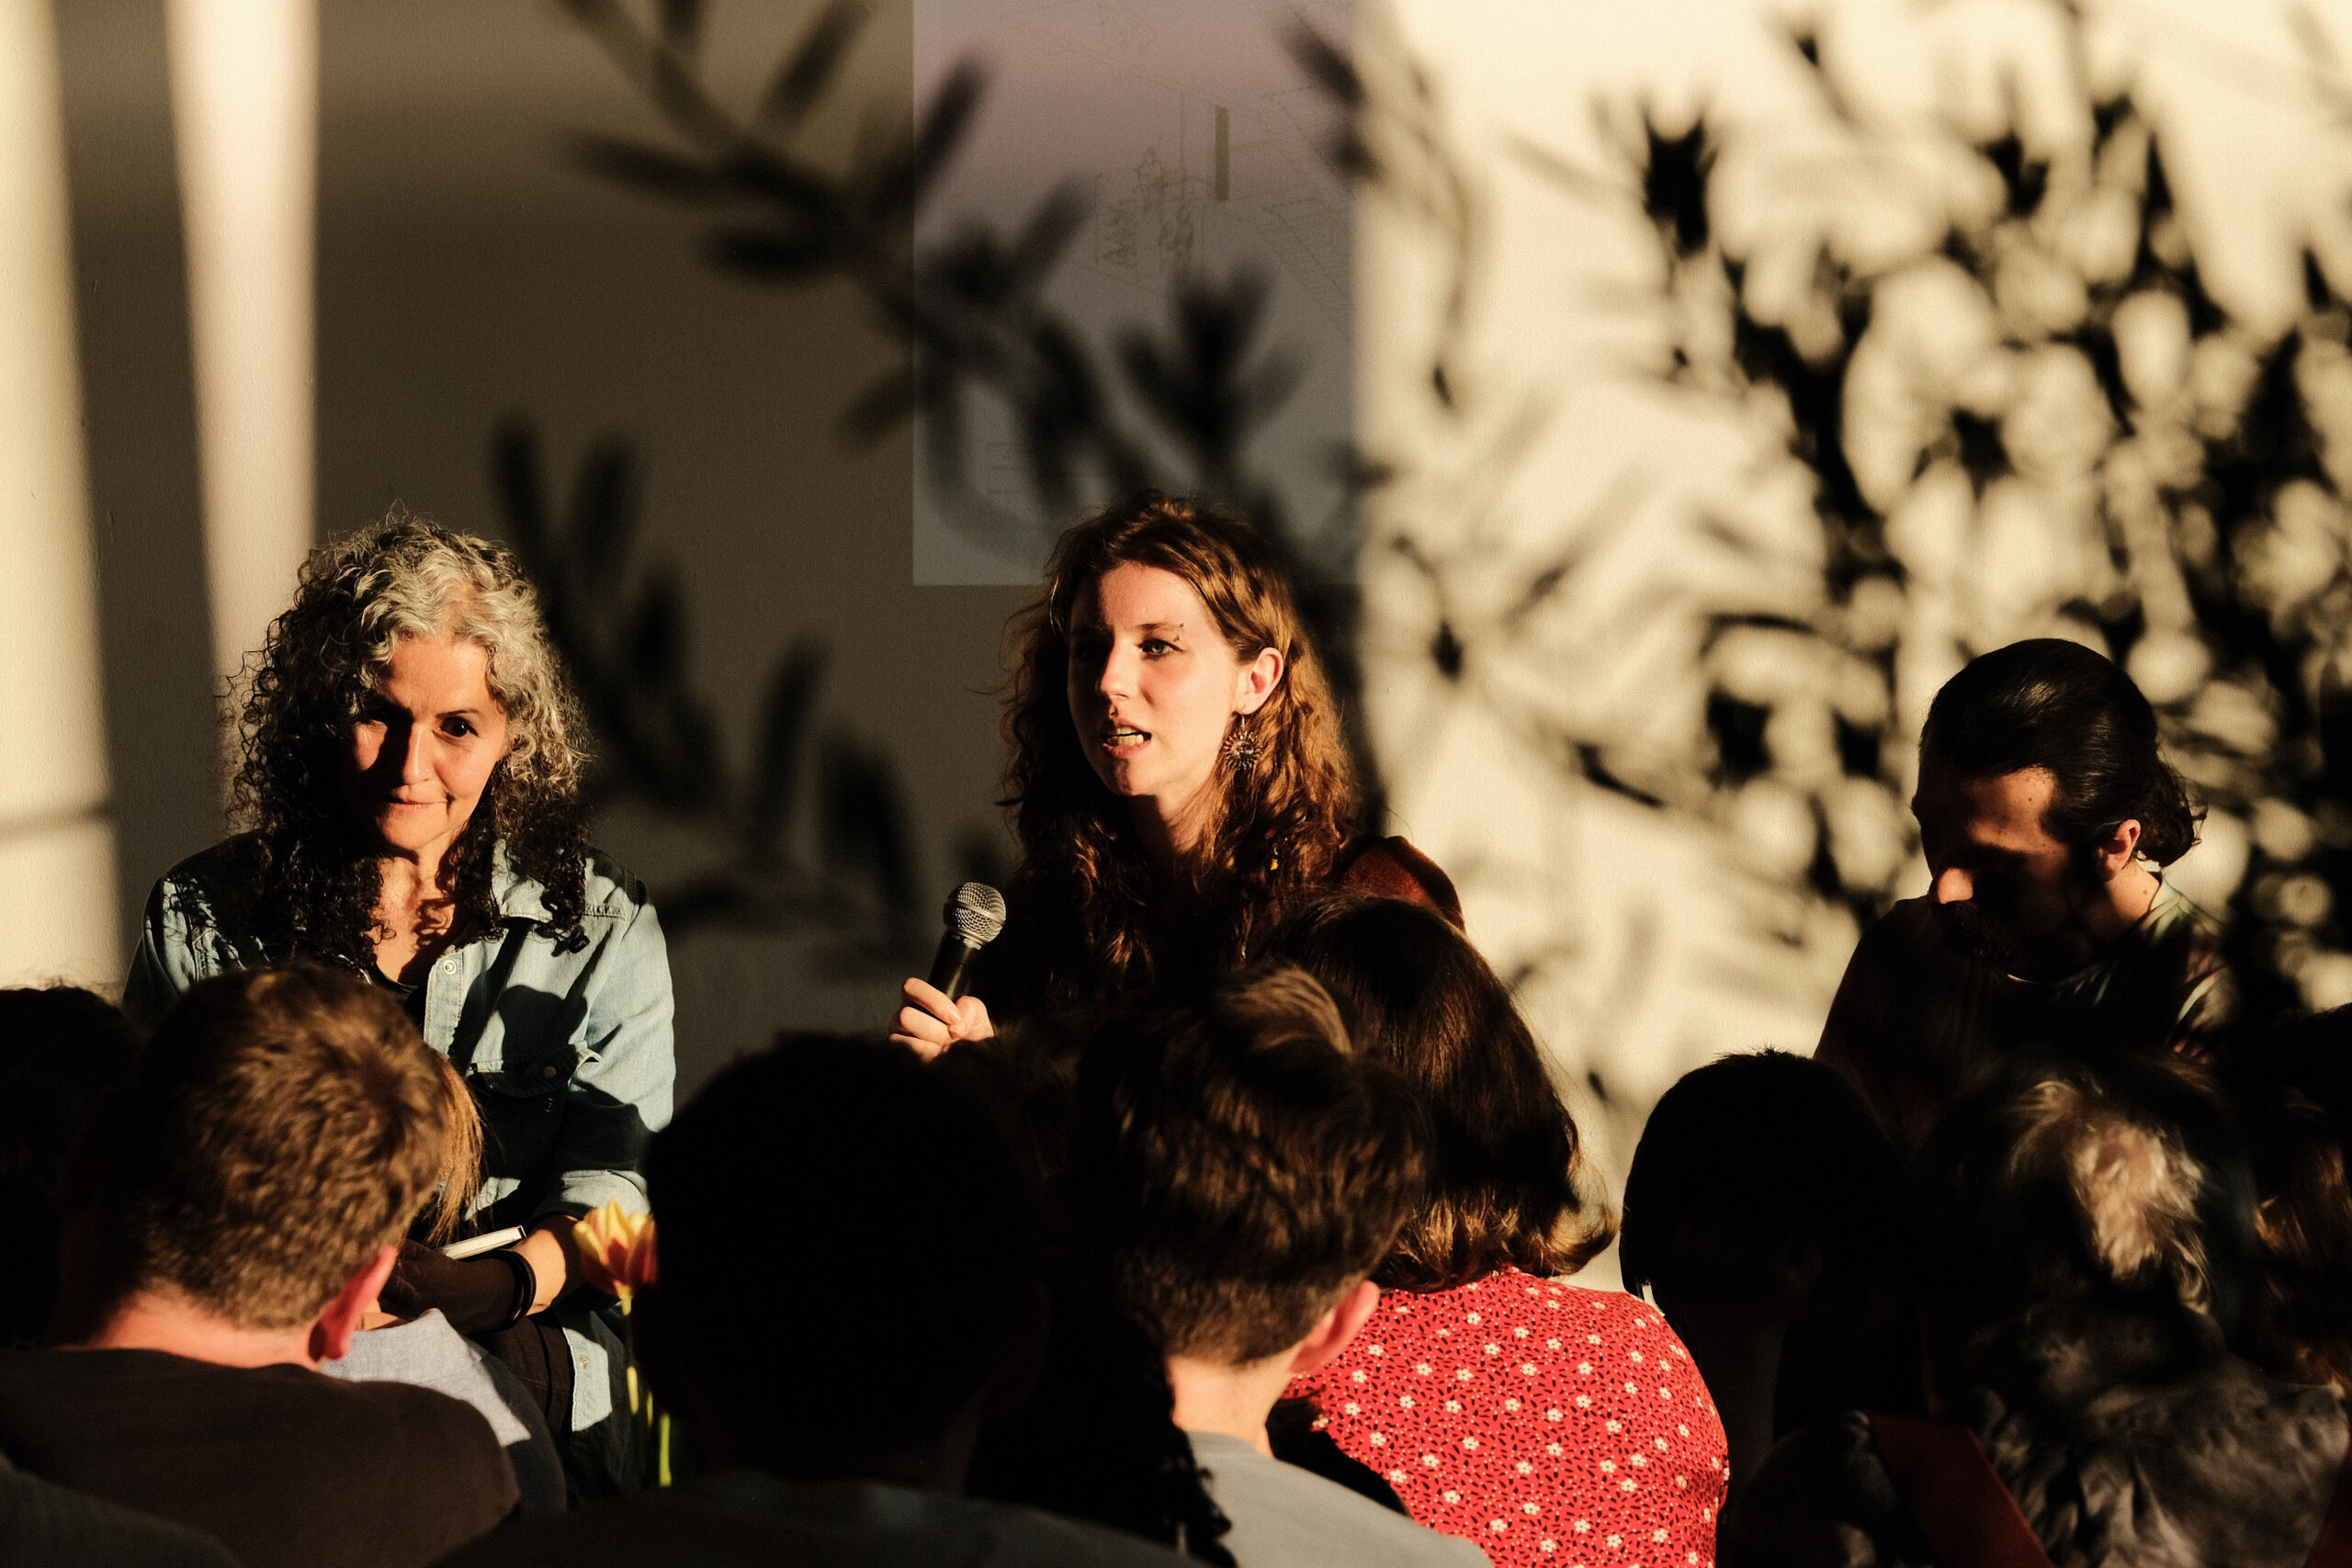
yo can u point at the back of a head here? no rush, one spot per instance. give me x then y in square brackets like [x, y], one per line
[280, 1127]
[2047, 703]
[2064, 1186]
[1236, 1169]
[2297, 1328]
[888, 1292]
[61, 1048]
[1749, 1153]
[1504, 1159]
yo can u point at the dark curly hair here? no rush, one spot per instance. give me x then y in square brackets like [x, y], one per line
[1091, 915]
[305, 878]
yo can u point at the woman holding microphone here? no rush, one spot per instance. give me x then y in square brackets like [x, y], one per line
[1177, 775]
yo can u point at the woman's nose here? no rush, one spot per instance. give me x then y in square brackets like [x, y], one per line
[415, 763]
[1118, 678]
[1953, 885]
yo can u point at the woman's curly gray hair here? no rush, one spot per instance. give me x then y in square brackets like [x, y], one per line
[314, 887]
[408, 576]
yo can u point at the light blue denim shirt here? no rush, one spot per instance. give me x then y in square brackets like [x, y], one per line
[568, 1054]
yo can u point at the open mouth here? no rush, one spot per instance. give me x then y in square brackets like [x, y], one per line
[1120, 737]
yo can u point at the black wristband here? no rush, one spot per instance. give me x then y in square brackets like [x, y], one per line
[526, 1284]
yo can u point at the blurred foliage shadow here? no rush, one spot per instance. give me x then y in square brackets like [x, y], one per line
[972, 317]
[2032, 419]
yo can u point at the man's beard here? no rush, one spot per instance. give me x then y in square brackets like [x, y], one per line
[1987, 942]
[1989, 933]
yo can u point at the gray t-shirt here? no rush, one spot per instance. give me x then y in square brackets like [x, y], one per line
[427, 1352]
[1287, 1518]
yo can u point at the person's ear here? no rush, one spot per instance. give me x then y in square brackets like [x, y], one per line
[1334, 1329]
[1257, 680]
[330, 1331]
[2120, 850]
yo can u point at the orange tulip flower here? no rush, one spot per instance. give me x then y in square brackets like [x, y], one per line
[615, 1250]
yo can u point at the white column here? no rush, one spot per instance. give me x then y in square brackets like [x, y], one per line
[245, 116]
[57, 845]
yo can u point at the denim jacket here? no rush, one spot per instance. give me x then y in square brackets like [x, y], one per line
[568, 1054]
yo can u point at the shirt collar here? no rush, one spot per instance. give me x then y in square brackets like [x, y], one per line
[519, 897]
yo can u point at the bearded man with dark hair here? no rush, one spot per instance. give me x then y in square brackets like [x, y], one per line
[2047, 816]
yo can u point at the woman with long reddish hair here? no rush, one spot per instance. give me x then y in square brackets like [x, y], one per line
[1177, 777]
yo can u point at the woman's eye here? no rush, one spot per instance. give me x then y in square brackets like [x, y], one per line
[457, 728]
[1154, 647]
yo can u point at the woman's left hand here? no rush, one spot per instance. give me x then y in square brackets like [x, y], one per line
[932, 1021]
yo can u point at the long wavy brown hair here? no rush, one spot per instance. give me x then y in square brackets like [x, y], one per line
[1093, 916]
[1507, 1185]
[304, 879]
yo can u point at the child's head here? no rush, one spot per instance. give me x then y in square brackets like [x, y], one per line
[1748, 1158]
[1239, 1170]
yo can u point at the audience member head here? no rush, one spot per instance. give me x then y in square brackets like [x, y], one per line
[1239, 1173]
[1764, 1199]
[1504, 1160]
[61, 1048]
[900, 1187]
[276, 1138]
[2296, 1326]
[1752, 1159]
[1267, 764]
[2065, 1193]
[2039, 781]
[2057, 705]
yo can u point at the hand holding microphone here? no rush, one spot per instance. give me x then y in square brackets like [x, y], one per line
[936, 1014]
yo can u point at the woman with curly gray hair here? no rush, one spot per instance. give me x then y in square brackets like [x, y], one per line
[409, 790]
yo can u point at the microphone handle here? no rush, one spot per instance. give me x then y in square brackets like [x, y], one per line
[951, 967]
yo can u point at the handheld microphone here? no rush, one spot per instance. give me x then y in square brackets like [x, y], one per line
[974, 913]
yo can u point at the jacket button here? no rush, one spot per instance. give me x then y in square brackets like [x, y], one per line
[547, 1071]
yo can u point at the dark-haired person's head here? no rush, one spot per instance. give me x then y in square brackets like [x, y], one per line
[2297, 1329]
[2041, 784]
[1504, 1159]
[1240, 1174]
[61, 1048]
[2105, 1202]
[1764, 1199]
[1750, 1158]
[893, 1281]
[273, 1141]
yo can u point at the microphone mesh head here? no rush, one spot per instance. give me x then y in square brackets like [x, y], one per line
[976, 913]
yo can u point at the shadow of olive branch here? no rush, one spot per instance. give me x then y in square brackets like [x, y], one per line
[1174, 405]
[971, 310]
[2229, 558]
[624, 638]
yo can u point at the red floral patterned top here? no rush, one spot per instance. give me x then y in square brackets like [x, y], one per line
[1549, 1424]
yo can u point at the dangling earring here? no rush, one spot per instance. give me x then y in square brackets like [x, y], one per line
[1242, 746]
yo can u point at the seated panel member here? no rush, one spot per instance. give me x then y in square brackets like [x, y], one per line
[2047, 816]
[409, 783]
[228, 1218]
[1238, 1177]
